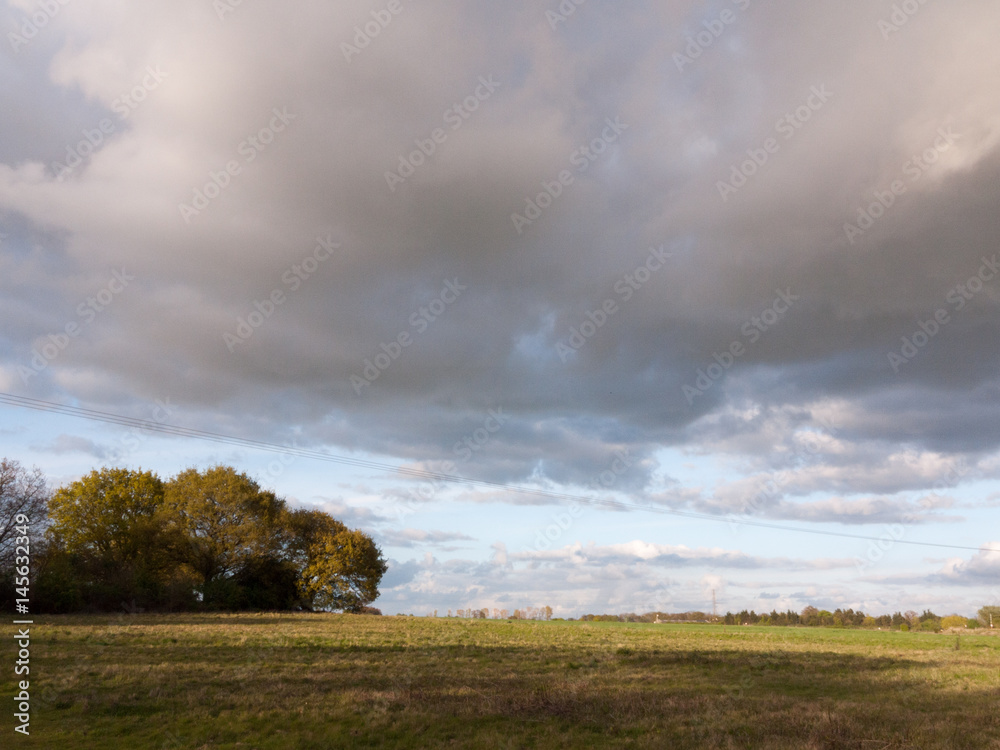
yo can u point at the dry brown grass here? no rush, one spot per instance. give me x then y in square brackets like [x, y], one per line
[324, 681]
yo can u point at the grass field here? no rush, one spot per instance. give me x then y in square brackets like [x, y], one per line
[271, 681]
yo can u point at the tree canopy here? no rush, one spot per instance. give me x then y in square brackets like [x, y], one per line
[989, 616]
[211, 538]
[226, 519]
[111, 514]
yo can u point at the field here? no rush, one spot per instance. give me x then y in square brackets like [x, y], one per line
[272, 681]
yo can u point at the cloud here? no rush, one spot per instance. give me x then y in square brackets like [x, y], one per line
[353, 515]
[73, 444]
[982, 569]
[179, 148]
[420, 537]
[351, 122]
[635, 576]
[667, 556]
[872, 510]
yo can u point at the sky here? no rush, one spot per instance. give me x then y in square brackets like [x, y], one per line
[719, 279]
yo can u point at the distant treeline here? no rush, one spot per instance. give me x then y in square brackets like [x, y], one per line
[212, 539]
[849, 618]
[652, 617]
[813, 617]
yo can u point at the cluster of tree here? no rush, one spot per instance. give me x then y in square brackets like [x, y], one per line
[651, 617]
[839, 618]
[528, 613]
[812, 617]
[694, 616]
[211, 539]
[609, 618]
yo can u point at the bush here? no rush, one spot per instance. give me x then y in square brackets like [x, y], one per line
[972, 622]
[58, 587]
[221, 594]
[261, 584]
[953, 621]
[987, 616]
[267, 583]
[904, 627]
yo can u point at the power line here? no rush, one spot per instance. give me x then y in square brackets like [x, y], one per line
[168, 429]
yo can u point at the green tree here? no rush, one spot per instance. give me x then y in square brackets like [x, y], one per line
[118, 535]
[109, 542]
[111, 514]
[953, 621]
[989, 616]
[343, 570]
[306, 528]
[227, 520]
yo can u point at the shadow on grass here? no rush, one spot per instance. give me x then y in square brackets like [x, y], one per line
[450, 683]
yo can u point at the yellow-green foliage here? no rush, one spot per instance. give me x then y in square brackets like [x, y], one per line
[344, 570]
[114, 513]
[226, 517]
[119, 535]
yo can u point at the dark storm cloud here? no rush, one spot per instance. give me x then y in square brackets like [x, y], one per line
[829, 113]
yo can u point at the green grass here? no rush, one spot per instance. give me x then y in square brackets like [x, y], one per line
[328, 681]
